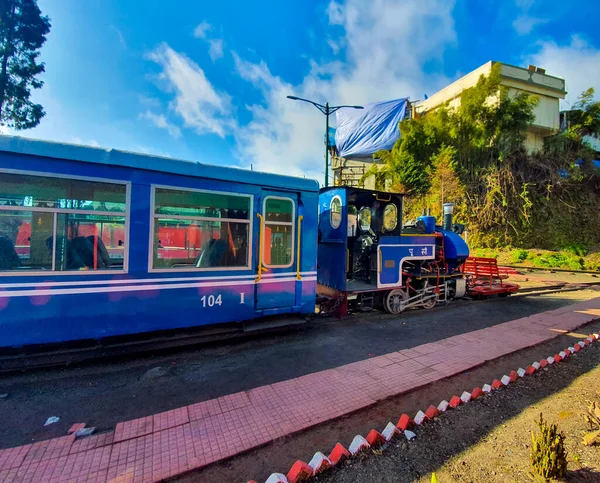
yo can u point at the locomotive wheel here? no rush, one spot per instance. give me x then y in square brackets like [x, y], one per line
[394, 301]
[430, 303]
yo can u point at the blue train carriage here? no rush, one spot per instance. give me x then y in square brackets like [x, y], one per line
[97, 243]
[367, 259]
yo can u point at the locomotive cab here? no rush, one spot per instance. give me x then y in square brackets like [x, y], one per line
[352, 224]
[367, 254]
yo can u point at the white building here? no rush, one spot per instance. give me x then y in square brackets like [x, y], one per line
[548, 89]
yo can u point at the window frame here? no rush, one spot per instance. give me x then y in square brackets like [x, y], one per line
[335, 198]
[292, 223]
[154, 216]
[57, 211]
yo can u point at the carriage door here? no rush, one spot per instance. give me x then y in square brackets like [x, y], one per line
[276, 286]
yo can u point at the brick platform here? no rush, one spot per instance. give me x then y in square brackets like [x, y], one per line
[166, 444]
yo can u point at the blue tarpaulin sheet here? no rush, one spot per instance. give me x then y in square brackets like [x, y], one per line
[363, 132]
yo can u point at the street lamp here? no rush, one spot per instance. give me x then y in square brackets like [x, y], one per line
[325, 109]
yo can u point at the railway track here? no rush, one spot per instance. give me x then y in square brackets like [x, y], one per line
[122, 348]
[562, 270]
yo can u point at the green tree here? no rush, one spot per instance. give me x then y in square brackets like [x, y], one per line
[23, 31]
[585, 116]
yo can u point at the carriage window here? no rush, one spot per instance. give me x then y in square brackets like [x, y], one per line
[335, 212]
[278, 242]
[196, 230]
[86, 241]
[60, 224]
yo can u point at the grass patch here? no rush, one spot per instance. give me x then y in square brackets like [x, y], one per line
[571, 258]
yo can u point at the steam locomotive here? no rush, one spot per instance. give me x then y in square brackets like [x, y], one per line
[368, 259]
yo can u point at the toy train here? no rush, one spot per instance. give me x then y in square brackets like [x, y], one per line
[367, 259]
[98, 243]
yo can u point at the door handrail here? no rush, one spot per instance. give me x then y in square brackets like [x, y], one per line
[298, 276]
[261, 228]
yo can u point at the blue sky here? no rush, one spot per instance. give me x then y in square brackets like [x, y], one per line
[207, 81]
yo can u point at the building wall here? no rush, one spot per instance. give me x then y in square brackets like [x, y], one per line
[454, 90]
[534, 141]
[547, 112]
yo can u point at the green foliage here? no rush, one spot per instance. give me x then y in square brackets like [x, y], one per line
[486, 253]
[519, 256]
[558, 260]
[577, 249]
[584, 118]
[548, 456]
[23, 31]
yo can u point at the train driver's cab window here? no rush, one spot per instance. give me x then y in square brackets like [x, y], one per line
[59, 224]
[390, 218]
[335, 212]
[200, 230]
[352, 221]
[278, 241]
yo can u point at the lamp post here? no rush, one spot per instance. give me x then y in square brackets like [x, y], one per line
[325, 109]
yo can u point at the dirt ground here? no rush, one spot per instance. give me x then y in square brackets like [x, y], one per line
[503, 454]
[488, 440]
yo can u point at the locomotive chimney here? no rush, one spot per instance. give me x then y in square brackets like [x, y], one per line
[448, 212]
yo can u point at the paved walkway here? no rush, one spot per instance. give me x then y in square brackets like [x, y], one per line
[169, 443]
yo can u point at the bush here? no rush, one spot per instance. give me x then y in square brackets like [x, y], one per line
[519, 256]
[548, 456]
[577, 249]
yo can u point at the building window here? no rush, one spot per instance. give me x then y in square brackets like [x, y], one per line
[335, 212]
[278, 242]
[200, 230]
[58, 224]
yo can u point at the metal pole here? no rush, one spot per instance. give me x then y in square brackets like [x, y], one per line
[326, 144]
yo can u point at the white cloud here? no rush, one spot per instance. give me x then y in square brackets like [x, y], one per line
[524, 24]
[215, 46]
[387, 43]
[215, 49]
[196, 100]
[201, 31]
[160, 121]
[577, 62]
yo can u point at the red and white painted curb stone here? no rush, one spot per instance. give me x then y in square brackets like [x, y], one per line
[319, 463]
